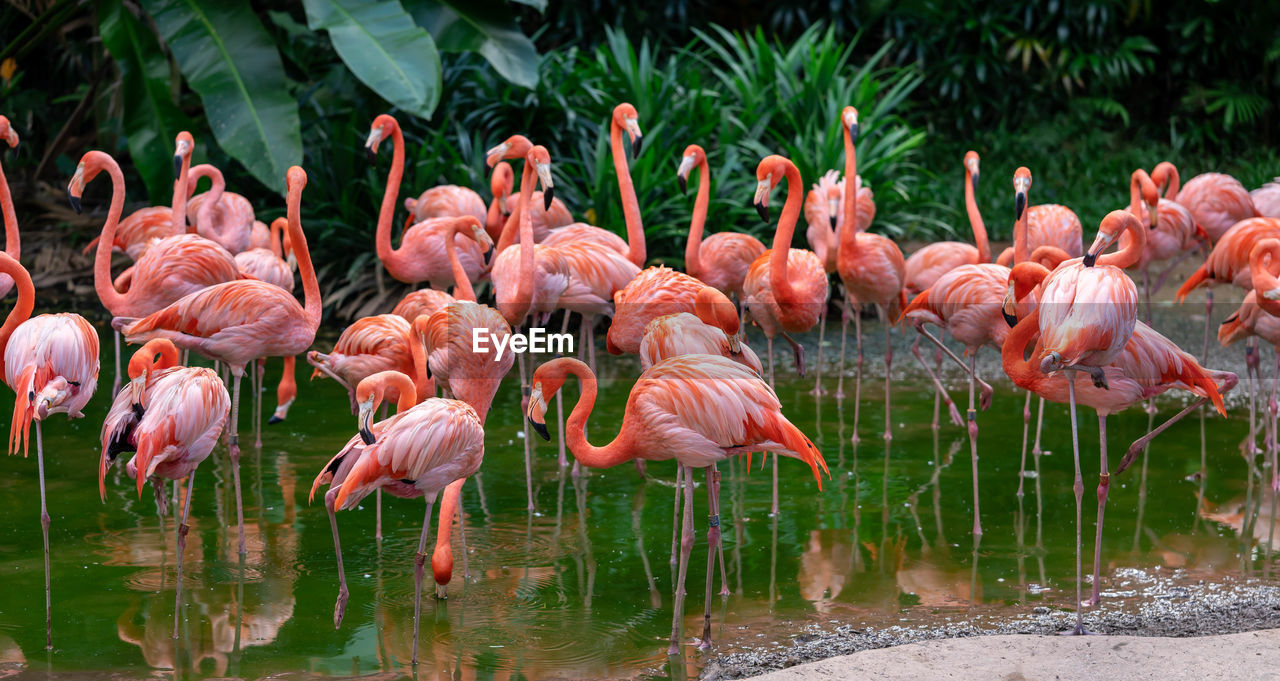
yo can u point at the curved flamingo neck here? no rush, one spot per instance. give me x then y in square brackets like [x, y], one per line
[612, 454]
[1263, 259]
[1020, 236]
[11, 241]
[462, 289]
[975, 219]
[390, 257]
[778, 256]
[21, 311]
[1132, 252]
[630, 205]
[442, 557]
[1169, 173]
[692, 263]
[514, 223]
[298, 242]
[1025, 373]
[277, 228]
[849, 232]
[102, 282]
[204, 216]
[387, 380]
[181, 193]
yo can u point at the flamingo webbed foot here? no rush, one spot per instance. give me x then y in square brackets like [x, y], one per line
[340, 606]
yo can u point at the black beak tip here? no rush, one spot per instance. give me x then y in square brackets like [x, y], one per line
[177, 164]
[540, 429]
[853, 132]
[367, 436]
[274, 420]
[833, 221]
[684, 184]
[1019, 205]
[763, 210]
[370, 155]
[1009, 319]
[548, 195]
[74, 200]
[635, 147]
[488, 255]
[975, 182]
[1089, 259]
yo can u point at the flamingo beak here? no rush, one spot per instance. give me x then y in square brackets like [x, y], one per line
[1009, 308]
[974, 175]
[1100, 245]
[184, 148]
[1153, 216]
[548, 184]
[537, 414]
[682, 173]
[495, 154]
[1019, 204]
[364, 419]
[75, 188]
[833, 211]
[280, 414]
[633, 131]
[138, 391]
[502, 205]
[371, 145]
[761, 200]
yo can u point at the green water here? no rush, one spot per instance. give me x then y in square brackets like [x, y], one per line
[582, 588]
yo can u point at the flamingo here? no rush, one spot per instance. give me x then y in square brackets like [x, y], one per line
[1253, 318]
[136, 232]
[545, 218]
[237, 322]
[1147, 365]
[168, 270]
[229, 220]
[824, 218]
[266, 263]
[426, 301]
[446, 201]
[12, 244]
[1266, 199]
[967, 302]
[924, 266]
[1172, 233]
[722, 260]
[51, 363]
[872, 270]
[1047, 224]
[425, 448]
[171, 417]
[418, 258]
[711, 330]
[1216, 201]
[696, 409]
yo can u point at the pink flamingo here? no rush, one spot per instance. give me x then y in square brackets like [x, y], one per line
[266, 263]
[712, 329]
[872, 270]
[135, 232]
[426, 301]
[168, 270]
[171, 417]
[1147, 365]
[1266, 199]
[927, 264]
[825, 219]
[1216, 201]
[696, 409]
[1047, 224]
[425, 447]
[418, 258]
[545, 218]
[12, 244]
[1172, 233]
[227, 219]
[722, 259]
[237, 322]
[446, 201]
[51, 362]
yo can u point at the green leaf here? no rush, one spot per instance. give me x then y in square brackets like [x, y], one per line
[484, 26]
[150, 118]
[382, 46]
[229, 60]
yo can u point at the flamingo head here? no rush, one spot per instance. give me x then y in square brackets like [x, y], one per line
[541, 161]
[693, 155]
[1021, 185]
[184, 144]
[384, 126]
[542, 391]
[53, 396]
[1240, 324]
[92, 163]
[626, 118]
[1023, 279]
[515, 146]
[849, 118]
[1164, 173]
[7, 133]
[501, 182]
[477, 232]
[971, 166]
[370, 393]
[1109, 230]
[715, 308]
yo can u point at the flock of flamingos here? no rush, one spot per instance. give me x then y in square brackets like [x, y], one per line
[207, 277]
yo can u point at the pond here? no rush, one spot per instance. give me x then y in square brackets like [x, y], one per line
[581, 588]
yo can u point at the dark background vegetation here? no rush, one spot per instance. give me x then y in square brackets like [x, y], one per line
[1082, 93]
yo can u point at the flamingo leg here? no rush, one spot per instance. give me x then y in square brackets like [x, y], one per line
[675, 518]
[686, 548]
[233, 452]
[844, 341]
[822, 334]
[1026, 428]
[340, 605]
[1078, 488]
[419, 565]
[713, 546]
[939, 390]
[528, 437]
[562, 457]
[182, 530]
[259, 372]
[724, 574]
[462, 536]
[973, 444]
[769, 345]
[888, 370]
[1036, 449]
[798, 351]
[115, 387]
[1104, 486]
[44, 527]
[987, 390]
[162, 504]
[1208, 321]
[857, 385]
[1146, 290]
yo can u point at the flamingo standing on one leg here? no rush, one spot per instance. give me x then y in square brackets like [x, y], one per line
[418, 257]
[1148, 365]
[51, 362]
[12, 244]
[239, 321]
[872, 270]
[168, 270]
[183, 411]
[696, 409]
[786, 288]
